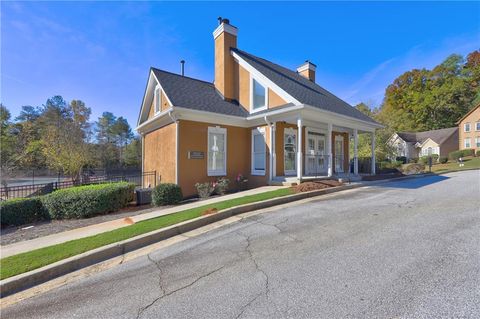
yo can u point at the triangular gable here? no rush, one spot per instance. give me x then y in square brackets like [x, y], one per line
[260, 76]
[148, 97]
[418, 144]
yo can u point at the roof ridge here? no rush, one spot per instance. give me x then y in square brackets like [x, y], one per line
[179, 75]
[298, 79]
[289, 70]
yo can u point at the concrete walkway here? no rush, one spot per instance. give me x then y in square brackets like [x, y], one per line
[23, 246]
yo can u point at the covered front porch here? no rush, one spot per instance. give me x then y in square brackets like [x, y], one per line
[306, 146]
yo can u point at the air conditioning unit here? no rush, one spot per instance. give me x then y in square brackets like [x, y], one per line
[144, 196]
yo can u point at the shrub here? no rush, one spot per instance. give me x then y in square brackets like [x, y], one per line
[204, 190]
[455, 155]
[477, 153]
[166, 194]
[402, 159]
[424, 159]
[19, 211]
[468, 152]
[410, 169]
[88, 201]
[443, 159]
[221, 186]
[397, 164]
[383, 165]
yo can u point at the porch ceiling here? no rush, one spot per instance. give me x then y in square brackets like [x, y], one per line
[313, 118]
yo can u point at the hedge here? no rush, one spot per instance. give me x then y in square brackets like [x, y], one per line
[19, 211]
[389, 165]
[75, 202]
[166, 194]
[88, 201]
[443, 159]
[455, 155]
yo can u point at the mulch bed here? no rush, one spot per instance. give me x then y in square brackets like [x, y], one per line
[311, 186]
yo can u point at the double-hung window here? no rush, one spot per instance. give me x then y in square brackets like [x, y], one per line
[477, 126]
[477, 142]
[157, 99]
[259, 154]
[466, 143]
[217, 151]
[259, 96]
[466, 127]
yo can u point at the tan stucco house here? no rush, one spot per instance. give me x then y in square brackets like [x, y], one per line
[259, 119]
[416, 144]
[469, 130]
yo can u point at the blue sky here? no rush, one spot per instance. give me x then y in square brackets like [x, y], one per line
[100, 52]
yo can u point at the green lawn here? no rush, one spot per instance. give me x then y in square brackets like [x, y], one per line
[469, 163]
[18, 264]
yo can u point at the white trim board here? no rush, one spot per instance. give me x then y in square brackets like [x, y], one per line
[282, 93]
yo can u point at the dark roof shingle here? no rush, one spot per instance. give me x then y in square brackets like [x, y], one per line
[196, 94]
[302, 89]
[438, 136]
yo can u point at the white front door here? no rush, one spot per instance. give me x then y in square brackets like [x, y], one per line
[339, 154]
[290, 151]
[315, 154]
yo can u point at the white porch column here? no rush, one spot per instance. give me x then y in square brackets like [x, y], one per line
[329, 150]
[355, 151]
[273, 159]
[299, 148]
[373, 153]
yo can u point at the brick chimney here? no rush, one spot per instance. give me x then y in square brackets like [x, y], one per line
[307, 70]
[225, 36]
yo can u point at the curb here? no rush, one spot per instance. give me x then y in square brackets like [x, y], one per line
[38, 276]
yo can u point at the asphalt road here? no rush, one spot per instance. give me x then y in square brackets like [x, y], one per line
[406, 249]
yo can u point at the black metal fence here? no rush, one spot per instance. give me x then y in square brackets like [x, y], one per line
[139, 179]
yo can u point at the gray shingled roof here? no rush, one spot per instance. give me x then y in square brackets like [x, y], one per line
[195, 94]
[302, 89]
[438, 136]
[408, 137]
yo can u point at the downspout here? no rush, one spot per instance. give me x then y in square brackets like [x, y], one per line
[175, 120]
[270, 158]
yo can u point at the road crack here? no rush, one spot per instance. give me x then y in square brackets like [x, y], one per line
[280, 231]
[266, 289]
[165, 294]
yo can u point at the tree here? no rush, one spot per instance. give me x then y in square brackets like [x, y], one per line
[80, 114]
[382, 149]
[29, 133]
[421, 99]
[65, 149]
[133, 153]
[122, 134]
[8, 146]
[113, 134]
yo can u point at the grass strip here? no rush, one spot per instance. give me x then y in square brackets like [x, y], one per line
[468, 164]
[24, 262]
